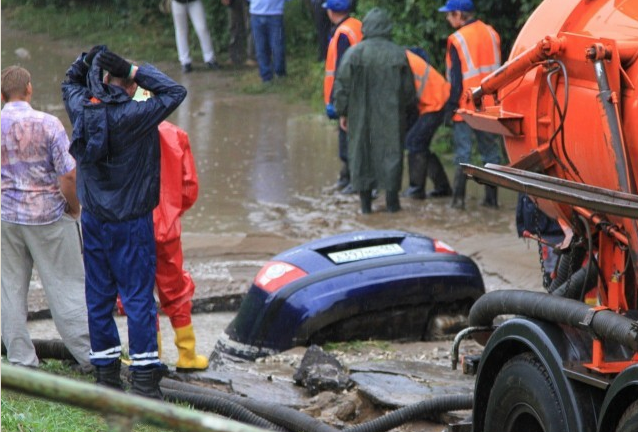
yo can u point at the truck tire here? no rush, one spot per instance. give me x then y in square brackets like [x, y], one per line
[524, 399]
[629, 421]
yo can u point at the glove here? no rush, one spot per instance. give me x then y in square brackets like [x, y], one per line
[114, 64]
[88, 59]
[331, 112]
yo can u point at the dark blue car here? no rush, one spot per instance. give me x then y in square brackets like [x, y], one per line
[361, 285]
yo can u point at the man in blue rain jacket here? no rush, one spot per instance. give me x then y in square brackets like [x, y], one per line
[116, 145]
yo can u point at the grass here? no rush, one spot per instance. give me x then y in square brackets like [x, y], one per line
[357, 346]
[22, 413]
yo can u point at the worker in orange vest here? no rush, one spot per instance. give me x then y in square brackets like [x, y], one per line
[347, 32]
[432, 93]
[473, 52]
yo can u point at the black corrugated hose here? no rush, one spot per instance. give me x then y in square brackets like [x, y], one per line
[283, 416]
[414, 412]
[605, 323]
[221, 406]
[296, 421]
[52, 349]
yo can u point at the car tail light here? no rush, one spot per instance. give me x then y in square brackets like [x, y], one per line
[277, 274]
[442, 247]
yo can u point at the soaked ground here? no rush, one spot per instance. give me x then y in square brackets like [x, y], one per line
[266, 169]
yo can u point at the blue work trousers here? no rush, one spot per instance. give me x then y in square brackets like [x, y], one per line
[119, 258]
[270, 45]
[488, 144]
[419, 136]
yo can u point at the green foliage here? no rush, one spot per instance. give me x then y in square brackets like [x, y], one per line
[138, 30]
[419, 23]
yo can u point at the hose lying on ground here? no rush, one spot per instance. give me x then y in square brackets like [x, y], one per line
[294, 420]
[415, 411]
[283, 416]
[221, 406]
[48, 349]
[604, 323]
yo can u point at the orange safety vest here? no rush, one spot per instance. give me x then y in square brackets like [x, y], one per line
[351, 27]
[432, 91]
[479, 49]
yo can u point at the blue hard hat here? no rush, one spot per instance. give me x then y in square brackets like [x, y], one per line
[457, 5]
[337, 5]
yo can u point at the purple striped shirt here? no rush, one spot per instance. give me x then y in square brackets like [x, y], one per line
[35, 152]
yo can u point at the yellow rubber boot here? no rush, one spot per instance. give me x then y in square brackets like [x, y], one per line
[188, 361]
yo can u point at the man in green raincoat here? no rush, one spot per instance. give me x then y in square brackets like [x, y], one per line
[373, 93]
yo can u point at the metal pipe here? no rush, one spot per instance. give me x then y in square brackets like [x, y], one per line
[517, 67]
[462, 335]
[608, 101]
[119, 408]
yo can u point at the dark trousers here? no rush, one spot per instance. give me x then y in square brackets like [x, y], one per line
[119, 258]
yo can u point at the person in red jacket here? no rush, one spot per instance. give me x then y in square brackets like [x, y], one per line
[175, 287]
[178, 192]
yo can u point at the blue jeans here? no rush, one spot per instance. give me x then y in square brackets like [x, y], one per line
[270, 45]
[488, 144]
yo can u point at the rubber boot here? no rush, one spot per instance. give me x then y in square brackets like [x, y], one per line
[188, 360]
[458, 194]
[366, 201]
[145, 382]
[109, 376]
[439, 178]
[344, 176]
[392, 203]
[491, 196]
[417, 170]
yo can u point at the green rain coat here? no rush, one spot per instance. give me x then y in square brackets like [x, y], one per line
[374, 89]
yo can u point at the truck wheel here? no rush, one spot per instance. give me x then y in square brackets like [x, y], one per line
[629, 421]
[524, 399]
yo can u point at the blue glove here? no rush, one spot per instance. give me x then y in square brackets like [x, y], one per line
[331, 112]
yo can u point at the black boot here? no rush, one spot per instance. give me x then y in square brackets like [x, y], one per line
[145, 382]
[109, 376]
[392, 202]
[366, 201]
[458, 194]
[439, 178]
[344, 176]
[491, 196]
[417, 170]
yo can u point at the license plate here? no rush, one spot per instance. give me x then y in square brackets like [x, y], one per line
[365, 253]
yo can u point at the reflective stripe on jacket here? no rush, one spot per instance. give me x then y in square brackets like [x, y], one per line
[432, 91]
[479, 49]
[351, 27]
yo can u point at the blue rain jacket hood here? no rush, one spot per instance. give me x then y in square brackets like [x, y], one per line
[115, 139]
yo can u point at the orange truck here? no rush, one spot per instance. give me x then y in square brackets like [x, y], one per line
[566, 104]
